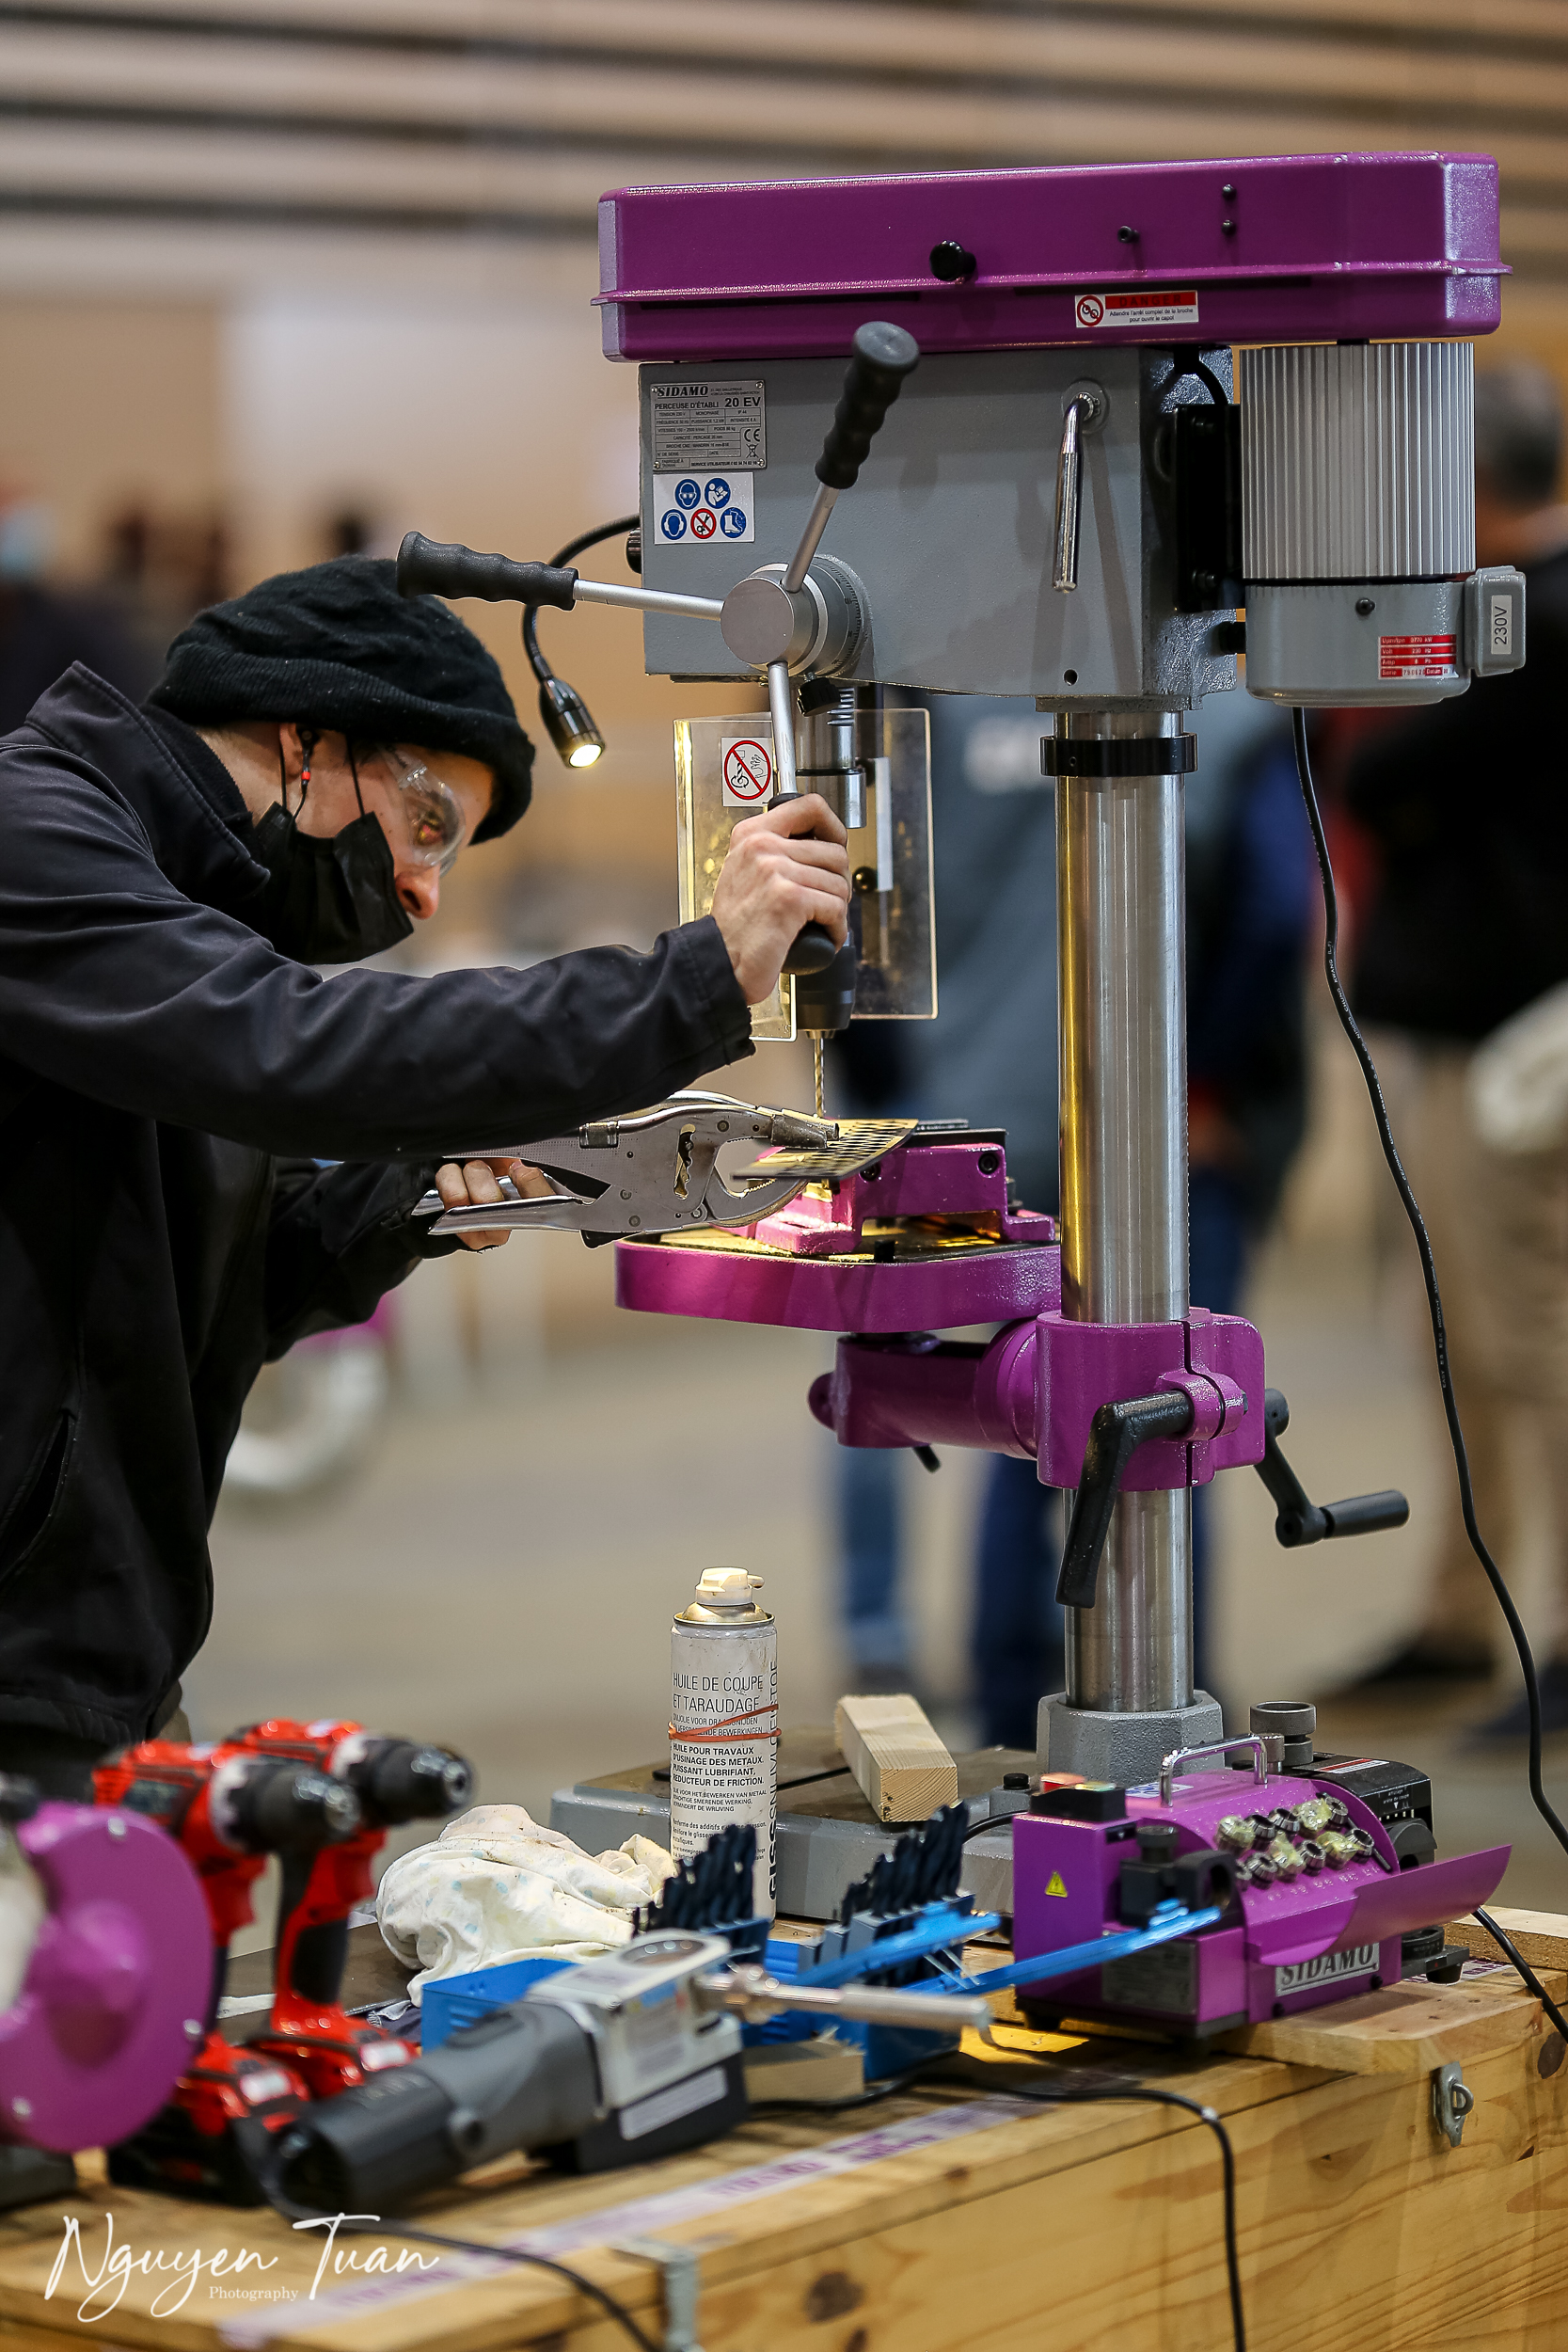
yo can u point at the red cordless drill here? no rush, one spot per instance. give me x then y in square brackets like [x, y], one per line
[229, 1809]
[394, 1781]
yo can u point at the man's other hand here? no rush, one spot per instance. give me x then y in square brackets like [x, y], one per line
[479, 1180]
[785, 868]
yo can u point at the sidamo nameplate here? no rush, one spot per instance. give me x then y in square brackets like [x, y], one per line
[1360, 1960]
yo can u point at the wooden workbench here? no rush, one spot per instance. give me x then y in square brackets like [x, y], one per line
[961, 2220]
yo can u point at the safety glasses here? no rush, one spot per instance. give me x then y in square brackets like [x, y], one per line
[431, 824]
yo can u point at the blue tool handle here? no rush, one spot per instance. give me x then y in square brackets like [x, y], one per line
[1073, 1957]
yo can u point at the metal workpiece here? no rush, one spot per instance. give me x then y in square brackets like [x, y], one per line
[1358, 461]
[1122, 960]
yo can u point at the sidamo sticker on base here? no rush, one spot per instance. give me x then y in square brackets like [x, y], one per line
[1360, 1960]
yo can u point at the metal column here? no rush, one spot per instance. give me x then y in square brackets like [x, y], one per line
[1122, 950]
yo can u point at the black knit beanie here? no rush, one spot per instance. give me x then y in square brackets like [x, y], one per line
[336, 647]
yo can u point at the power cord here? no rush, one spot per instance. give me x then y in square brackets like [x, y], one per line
[580, 546]
[1533, 1983]
[1429, 1276]
[608, 2302]
[1227, 2161]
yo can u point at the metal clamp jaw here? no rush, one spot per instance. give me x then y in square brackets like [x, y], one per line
[657, 1171]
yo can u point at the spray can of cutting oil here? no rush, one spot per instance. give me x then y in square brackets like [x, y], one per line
[724, 1721]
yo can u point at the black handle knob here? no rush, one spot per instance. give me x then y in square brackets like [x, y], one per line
[883, 356]
[428, 567]
[1116, 1434]
[813, 951]
[1367, 1514]
[1300, 1520]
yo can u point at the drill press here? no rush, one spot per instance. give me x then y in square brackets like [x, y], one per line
[1065, 502]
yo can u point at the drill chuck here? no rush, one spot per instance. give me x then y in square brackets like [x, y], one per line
[523, 2077]
[403, 1780]
[290, 1808]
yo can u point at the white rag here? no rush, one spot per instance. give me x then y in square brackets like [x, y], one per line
[496, 1887]
[1518, 1084]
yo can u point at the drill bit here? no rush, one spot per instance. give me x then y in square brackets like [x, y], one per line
[817, 1068]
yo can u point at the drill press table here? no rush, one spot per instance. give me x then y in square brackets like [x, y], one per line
[954, 2220]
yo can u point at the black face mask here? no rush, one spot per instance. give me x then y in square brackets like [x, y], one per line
[331, 900]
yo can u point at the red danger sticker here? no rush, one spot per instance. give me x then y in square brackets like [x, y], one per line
[1418, 657]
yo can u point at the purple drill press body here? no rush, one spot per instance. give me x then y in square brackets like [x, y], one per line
[1278, 249]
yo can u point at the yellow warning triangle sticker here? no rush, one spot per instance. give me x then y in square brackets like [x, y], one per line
[1054, 1883]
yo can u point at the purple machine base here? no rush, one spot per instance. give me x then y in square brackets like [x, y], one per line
[1274, 249]
[1296, 1945]
[118, 1977]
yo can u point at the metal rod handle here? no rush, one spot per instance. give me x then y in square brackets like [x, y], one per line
[751, 1992]
[781, 705]
[1252, 1740]
[1070, 476]
[811, 539]
[646, 599]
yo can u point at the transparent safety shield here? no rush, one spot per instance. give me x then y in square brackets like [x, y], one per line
[874, 768]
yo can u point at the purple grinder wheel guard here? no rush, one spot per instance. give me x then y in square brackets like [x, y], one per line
[95, 2040]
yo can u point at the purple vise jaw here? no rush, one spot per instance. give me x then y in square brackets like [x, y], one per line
[1270, 250]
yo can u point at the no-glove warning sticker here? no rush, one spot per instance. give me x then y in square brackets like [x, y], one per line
[746, 766]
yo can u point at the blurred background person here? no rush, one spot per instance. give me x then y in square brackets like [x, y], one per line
[44, 629]
[991, 1056]
[1467, 926]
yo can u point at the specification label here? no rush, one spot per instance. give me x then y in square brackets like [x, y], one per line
[698, 427]
[1418, 657]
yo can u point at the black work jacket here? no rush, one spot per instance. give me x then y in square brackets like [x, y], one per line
[1469, 920]
[167, 1083]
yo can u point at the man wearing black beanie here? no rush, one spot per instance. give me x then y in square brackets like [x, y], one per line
[173, 1069]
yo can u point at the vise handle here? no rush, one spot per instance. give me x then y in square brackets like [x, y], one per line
[1300, 1520]
[1116, 1434]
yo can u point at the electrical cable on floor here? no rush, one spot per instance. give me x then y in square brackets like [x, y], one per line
[1506, 1945]
[1429, 1276]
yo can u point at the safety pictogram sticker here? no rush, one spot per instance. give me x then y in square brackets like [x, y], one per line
[703, 509]
[746, 768]
[1155, 306]
[1418, 657]
[1054, 1883]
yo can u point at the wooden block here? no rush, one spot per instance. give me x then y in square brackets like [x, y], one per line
[1404, 2029]
[1542, 1936]
[903, 1770]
